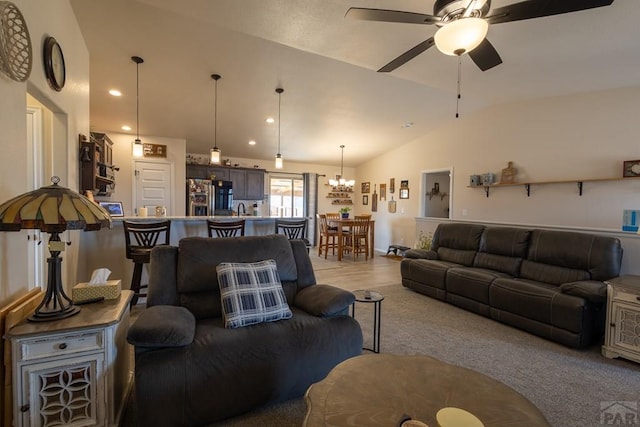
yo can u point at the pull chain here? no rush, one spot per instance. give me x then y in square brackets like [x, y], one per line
[459, 79]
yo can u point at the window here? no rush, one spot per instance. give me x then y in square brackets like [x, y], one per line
[286, 196]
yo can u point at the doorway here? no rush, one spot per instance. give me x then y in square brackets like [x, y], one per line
[35, 173]
[436, 193]
[153, 184]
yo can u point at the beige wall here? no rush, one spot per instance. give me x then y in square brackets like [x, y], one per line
[570, 137]
[70, 109]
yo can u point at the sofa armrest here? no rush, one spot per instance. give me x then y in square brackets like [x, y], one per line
[421, 254]
[163, 326]
[593, 291]
[324, 300]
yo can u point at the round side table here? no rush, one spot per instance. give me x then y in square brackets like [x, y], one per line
[375, 298]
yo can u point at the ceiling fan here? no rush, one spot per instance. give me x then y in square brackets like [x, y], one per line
[463, 25]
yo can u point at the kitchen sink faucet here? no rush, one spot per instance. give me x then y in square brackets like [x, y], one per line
[244, 209]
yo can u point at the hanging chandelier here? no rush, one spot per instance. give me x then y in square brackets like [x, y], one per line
[138, 149]
[279, 163]
[215, 151]
[340, 183]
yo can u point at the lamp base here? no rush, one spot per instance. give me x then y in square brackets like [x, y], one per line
[40, 316]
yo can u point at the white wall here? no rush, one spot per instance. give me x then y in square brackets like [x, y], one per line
[122, 158]
[71, 117]
[581, 136]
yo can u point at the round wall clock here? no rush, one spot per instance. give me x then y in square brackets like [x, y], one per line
[54, 67]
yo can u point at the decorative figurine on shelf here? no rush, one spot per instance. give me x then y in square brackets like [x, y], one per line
[508, 174]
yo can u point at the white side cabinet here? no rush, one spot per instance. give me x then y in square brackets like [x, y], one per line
[75, 371]
[622, 336]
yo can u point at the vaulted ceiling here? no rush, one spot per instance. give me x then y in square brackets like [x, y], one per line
[327, 66]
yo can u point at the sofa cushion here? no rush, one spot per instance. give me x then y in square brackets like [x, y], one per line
[502, 249]
[551, 274]
[431, 272]
[472, 283]
[596, 292]
[163, 326]
[251, 293]
[599, 256]
[541, 302]
[324, 300]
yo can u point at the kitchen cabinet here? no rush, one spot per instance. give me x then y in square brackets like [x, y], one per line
[207, 172]
[248, 184]
[74, 371]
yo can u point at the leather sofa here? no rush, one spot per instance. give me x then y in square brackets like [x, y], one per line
[190, 370]
[549, 283]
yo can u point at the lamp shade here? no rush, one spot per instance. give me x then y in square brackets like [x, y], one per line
[461, 36]
[52, 209]
[279, 162]
[214, 155]
[138, 149]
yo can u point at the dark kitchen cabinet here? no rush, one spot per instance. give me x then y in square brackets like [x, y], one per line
[207, 172]
[255, 184]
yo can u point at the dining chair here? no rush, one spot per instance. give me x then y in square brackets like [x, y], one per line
[357, 239]
[140, 238]
[293, 229]
[225, 228]
[327, 236]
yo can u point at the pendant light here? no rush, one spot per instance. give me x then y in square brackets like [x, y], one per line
[215, 151]
[137, 144]
[279, 163]
[340, 182]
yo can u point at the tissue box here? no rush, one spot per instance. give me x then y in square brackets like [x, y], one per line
[84, 291]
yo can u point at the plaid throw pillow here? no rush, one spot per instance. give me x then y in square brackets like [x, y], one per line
[251, 293]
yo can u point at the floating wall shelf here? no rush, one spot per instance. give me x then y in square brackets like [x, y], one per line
[527, 185]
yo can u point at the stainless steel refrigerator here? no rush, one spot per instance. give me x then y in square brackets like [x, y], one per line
[206, 197]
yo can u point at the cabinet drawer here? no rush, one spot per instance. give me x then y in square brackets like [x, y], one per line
[61, 345]
[622, 294]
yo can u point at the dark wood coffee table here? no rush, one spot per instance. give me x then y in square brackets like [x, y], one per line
[378, 389]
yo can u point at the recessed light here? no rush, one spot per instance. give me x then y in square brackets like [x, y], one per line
[125, 127]
[407, 125]
[252, 142]
[115, 92]
[270, 120]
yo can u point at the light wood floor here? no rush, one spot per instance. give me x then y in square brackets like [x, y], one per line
[353, 275]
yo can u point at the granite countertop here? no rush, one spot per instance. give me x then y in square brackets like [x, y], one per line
[197, 218]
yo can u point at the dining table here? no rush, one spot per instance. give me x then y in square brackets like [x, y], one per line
[344, 225]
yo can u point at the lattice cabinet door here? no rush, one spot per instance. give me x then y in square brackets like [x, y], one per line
[65, 392]
[622, 338]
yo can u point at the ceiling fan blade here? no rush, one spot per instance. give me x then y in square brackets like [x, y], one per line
[538, 8]
[384, 15]
[407, 56]
[485, 56]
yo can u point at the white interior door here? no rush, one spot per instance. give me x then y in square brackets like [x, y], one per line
[153, 184]
[35, 173]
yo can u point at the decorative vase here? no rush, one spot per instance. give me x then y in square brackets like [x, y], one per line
[345, 215]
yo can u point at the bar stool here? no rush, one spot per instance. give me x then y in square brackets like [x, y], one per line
[225, 228]
[145, 236]
[293, 229]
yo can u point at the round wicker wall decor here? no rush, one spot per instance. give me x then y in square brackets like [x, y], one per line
[15, 43]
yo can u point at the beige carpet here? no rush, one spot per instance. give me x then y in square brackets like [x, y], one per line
[569, 386]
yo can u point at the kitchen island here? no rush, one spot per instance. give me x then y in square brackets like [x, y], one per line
[106, 248]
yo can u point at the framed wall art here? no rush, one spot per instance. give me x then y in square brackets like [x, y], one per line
[631, 169]
[365, 187]
[404, 183]
[374, 200]
[404, 192]
[392, 185]
[383, 192]
[365, 199]
[392, 205]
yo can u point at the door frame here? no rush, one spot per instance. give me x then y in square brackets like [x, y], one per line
[134, 180]
[423, 190]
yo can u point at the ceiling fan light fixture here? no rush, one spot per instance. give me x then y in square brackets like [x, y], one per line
[461, 36]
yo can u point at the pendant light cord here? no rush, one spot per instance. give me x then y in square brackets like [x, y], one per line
[215, 115]
[137, 100]
[342, 162]
[279, 98]
[459, 80]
